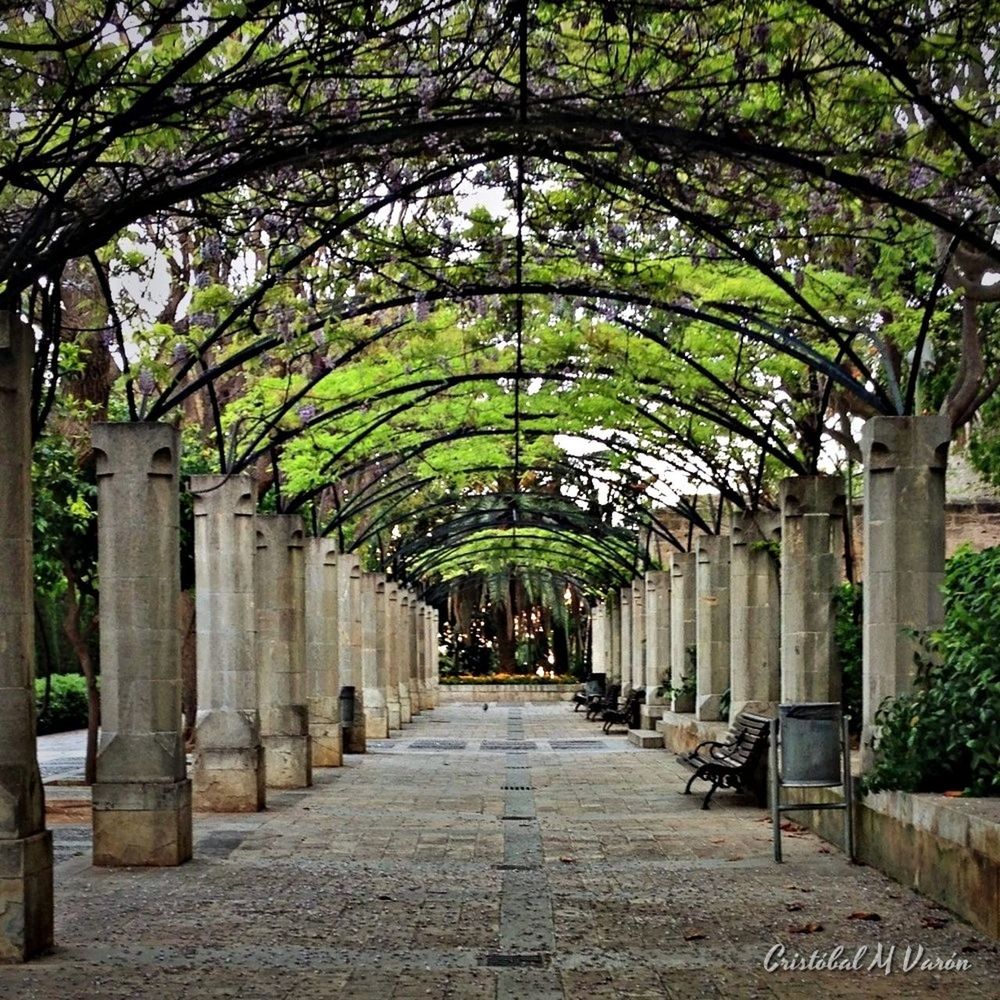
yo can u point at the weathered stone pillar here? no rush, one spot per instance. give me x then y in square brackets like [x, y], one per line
[142, 798]
[373, 665]
[412, 637]
[433, 654]
[625, 647]
[904, 485]
[598, 639]
[683, 637]
[322, 656]
[25, 844]
[281, 651]
[423, 637]
[349, 648]
[657, 627]
[754, 615]
[811, 515]
[392, 699]
[712, 625]
[614, 617]
[229, 759]
[401, 647]
[638, 629]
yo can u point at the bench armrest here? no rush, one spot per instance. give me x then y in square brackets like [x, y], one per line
[714, 745]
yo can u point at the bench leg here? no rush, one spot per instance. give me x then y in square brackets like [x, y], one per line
[687, 790]
[708, 797]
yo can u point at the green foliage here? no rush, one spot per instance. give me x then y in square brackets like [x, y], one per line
[67, 703]
[847, 634]
[945, 734]
[508, 679]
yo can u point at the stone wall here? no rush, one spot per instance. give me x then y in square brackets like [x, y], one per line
[452, 693]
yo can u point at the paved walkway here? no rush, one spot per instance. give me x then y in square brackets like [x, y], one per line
[514, 854]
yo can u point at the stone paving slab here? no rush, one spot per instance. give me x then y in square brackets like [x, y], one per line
[397, 876]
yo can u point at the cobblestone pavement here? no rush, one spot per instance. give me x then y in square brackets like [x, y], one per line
[513, 853]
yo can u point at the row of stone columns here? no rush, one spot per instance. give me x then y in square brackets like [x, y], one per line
[734, 614]
[302, 657]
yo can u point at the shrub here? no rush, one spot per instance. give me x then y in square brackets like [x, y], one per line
[945, 734]
[508, 679]
[847, 637]
[67, 708]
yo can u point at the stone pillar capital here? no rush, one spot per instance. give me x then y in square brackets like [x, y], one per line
[746, 527]
[801, 495]
[224, 493]
[894, 442]
[136, 449]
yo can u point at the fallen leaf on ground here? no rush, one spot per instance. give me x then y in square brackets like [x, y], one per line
[825, 850]
[568, 861]
[934, 923]
[735, 857]
[792, 907]
[864, 915]
[800, 888]
[718, 840]
[694, 935]
[810, 928]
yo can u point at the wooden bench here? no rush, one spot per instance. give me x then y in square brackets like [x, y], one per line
[593, 689]
[623, 715]
[727, 764]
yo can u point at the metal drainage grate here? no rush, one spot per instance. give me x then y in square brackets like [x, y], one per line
[577, 744]
[515, 788]
[509, 959]
[508, 745]
[516, 868]
[437, 745]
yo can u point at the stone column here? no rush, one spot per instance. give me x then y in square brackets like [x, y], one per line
[322, 657]
[625, 647]
[683, 638]
[281, 651]
[411, 632]
[349, 647]
[754, 615]
[598, 639]
[433, 654]
[614, 619]
[373, 665]
[229, 759]
[657, 627]
[904, 553]
[638, 628]
[811, 515]
[142, 798]
[401, 647]
[391, 617]
[25, 844]
[712, 625]
[425, 658]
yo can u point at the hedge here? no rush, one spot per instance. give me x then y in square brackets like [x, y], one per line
[67, 703]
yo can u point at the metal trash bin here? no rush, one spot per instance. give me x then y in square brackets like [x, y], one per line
[810, 748]
[810, 743]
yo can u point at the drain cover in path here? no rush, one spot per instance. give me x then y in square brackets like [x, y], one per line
[437, 745]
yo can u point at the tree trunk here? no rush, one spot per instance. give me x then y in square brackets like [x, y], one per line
[560, 648]
[71, 626]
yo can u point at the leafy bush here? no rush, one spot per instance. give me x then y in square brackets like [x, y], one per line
[508, 679]
[847, 637]
[945, 734]
[67, 708]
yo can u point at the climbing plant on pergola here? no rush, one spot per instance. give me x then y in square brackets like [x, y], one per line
[414, 254]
